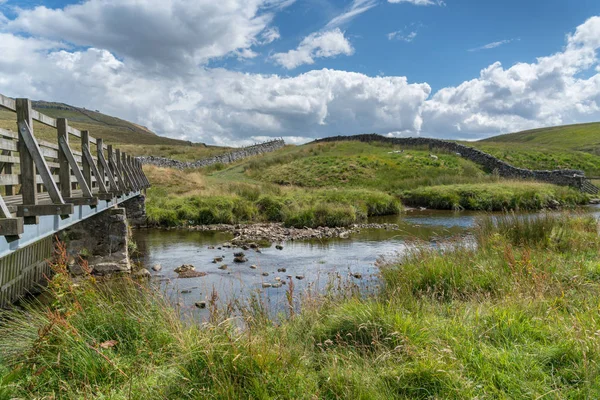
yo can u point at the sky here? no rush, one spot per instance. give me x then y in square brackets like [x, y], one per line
[234, 72]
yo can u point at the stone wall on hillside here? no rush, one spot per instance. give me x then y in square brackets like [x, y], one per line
[218, 159]
[563, 177]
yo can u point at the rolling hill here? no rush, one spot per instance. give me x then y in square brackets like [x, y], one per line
[558, 147]
[132, 138]
[580, 137]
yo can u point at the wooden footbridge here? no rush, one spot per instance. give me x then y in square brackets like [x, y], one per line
[47, 186]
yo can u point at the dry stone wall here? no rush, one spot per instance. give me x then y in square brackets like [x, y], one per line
[563, 177]
[219, 159]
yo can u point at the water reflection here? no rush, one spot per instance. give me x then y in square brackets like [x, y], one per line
[315, 262]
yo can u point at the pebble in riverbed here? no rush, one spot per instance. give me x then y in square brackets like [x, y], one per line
[223, 267]
[201, 304]
[157, 267]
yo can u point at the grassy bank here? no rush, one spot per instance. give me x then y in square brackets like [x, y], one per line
[183, 198]
[515, 318]
[499, 196]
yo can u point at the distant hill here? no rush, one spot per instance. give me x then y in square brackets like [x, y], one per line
[581, 137]
[133, 138]
[557, 147]
[110, 128]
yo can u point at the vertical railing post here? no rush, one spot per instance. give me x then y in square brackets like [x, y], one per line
[28, 174]
[100, 166]
[120, 169]
[86, 169]
[64, 172]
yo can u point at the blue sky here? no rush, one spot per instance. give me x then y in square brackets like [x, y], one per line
[242, 70]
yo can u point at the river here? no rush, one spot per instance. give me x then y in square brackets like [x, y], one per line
[318, 263]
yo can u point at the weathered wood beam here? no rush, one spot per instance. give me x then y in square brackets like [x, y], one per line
[87, 192]
[105, 167]
[85, 163]
[27, 165]
[114, 168]
[90, 161]
[11, 226]
[64, 170]
[44, 209]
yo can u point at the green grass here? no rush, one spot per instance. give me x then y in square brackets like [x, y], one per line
[365, 165]
[516, 317]
[192, 199]
[582, 137]
[560, 147]
[499, 196]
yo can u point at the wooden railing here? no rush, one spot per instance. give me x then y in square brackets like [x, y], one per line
[39, 178]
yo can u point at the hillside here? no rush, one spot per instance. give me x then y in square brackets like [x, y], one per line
[580, 137]
[559, 147]
[132, 138]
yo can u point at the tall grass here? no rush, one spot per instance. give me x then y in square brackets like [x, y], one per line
[189, 197]
[499, 196]
[514, 317]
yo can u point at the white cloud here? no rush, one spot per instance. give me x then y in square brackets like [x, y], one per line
[401, 35]
[155, 33]
[269, 35]
[225, 107]
[316, 45]
[492, 45]
[356, 8]
[421, 2]
[550, 91]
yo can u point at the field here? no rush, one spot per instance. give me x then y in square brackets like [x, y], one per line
[515, 318]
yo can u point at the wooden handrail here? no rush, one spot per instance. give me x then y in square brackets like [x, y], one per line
[57, 169]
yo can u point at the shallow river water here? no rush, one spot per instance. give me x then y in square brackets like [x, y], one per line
[317, 262]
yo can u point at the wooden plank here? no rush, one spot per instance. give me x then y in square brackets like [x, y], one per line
[99, 179]
[122, 175]
[44, 209]
[4, 213]
[9, 159]
[8, 134]
[83, 201]
[8, 144]
[50, 145]
[75, 167]
[9, 190]
[64, 171]
[127, 168]
[111, 180]
[85, 163]
[28, 175]
[99, 164]
[33, 149]
[8, 103]
[115, 170]
[11, 226]
[74, 132]
[44, 119]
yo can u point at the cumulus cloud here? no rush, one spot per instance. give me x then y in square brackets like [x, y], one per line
[155, 33]
[316, 45]
[220, 106]
[551, 91]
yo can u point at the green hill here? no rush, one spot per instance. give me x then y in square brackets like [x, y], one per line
[559, 147]
[132, 138]
[581, 137]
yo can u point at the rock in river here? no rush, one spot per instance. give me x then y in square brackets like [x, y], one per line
[201, 304]
[191, 274]
[185, 268]
[157, 267]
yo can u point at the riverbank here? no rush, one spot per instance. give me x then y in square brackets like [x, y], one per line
[516, 317]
